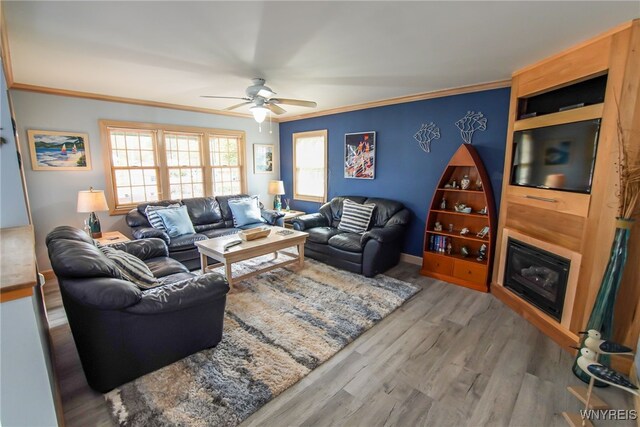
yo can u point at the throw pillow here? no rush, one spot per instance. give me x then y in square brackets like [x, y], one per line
[355, 217]
[151, 212]
[245, 211]
[131, 267]
[176, 221]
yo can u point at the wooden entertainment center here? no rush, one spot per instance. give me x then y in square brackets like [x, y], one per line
[577, 226]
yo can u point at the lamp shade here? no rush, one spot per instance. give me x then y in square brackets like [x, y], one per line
[276, 187]
[92, 201]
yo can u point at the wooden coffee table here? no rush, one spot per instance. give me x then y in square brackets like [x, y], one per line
[214, 248]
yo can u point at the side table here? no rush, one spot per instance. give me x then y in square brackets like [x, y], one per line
[111, 237]
[289, 215]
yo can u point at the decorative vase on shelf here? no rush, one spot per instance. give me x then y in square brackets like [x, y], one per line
[465, 182]
[601, 318]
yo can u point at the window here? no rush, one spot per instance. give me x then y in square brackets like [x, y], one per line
[225, 152]
[153, 162]
[310, 166]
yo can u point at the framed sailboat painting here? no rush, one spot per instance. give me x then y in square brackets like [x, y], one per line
[59, 151]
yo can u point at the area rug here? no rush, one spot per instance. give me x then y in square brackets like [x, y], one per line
[281, 326]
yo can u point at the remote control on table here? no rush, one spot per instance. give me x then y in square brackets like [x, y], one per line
[231, 243]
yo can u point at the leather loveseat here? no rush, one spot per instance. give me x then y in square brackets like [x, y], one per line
[211, 217]
[370, 253]
[122, 332]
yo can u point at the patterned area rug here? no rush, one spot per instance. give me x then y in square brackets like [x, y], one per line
[280, 327]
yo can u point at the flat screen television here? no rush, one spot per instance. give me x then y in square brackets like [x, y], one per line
[559, 157]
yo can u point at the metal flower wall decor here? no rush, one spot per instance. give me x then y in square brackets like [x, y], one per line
[470, 123]
[426, 134]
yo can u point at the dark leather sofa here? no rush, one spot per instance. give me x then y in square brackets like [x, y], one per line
[370, 253]
[122, 332]
[211, 217]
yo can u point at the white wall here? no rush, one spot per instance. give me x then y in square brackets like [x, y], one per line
[53, 195]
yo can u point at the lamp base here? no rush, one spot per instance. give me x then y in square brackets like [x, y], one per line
[94, 226]
[277, 204]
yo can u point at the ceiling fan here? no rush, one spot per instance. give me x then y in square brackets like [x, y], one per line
[262, 98]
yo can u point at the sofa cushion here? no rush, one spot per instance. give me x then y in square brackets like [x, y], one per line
[220, 232]
[151, 211]
[356, 217]
[322, 234]
[246, 211]
[73, 258]
[349, 242]
[176, 221]
[165, 266]
[385, 209]
[203, 210]
[183, 243]
[131, 267]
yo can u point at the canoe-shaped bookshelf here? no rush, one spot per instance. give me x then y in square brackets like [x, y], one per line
[450, 254]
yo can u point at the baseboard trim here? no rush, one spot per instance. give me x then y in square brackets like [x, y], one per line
[411, 259]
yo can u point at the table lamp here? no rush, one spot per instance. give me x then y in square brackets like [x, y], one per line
[276, 188]
[92, 201]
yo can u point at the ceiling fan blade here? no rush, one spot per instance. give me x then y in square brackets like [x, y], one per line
[276, 109]
[233, 107]
[225, 97]
[297, 102]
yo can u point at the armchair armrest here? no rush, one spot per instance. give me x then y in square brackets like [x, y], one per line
[383, 234]
[103, 293]
[148, 232]
[145, 248]
[181, 295]
[272, 216]
[305, 222]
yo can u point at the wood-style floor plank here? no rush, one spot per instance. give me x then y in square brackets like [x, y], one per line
[449, 356]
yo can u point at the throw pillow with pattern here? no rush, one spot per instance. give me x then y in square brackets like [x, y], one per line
[131, 267]
[355, 217]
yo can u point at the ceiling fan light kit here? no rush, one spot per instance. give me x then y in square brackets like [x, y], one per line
[261, 97]
[259, 113]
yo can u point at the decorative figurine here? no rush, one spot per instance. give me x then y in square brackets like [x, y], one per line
[482, 253]
[483, 211]
[450, 228]
[454, 184]
[482, 233]
[449, 248]
[479, 184]
[462, 208]
[437, 226]
[448, 185]
[587, 362]
[464, 251]
[465, 182]
[595, 343]
[443, 204]
[464, 231]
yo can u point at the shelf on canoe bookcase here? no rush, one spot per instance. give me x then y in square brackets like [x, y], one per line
[455, 268]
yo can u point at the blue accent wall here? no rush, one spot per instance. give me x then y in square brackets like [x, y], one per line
[403, 171]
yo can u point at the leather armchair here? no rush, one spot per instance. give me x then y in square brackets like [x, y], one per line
[121, 331]
[370, 253]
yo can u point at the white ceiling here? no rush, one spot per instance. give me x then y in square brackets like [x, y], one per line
[335, 53]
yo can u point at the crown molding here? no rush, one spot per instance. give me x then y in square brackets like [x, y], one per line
[402, 99]
[109, 98]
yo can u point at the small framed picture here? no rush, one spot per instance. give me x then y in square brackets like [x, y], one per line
[262, 158]
[360, 155]
[59, 151]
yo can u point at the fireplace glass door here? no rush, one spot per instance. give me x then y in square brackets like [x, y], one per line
[538, 276]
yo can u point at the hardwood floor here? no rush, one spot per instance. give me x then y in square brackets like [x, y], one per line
[448, 357]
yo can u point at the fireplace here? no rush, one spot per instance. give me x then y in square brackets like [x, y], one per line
[538, 276]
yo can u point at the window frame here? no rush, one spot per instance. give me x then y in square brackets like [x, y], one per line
[308, 134]
[159, 130]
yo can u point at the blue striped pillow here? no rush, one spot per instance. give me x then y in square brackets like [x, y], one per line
[151, 212]
[355, 217]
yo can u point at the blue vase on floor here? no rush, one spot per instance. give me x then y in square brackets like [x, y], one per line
[601, 318]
